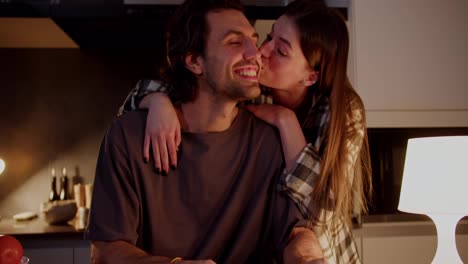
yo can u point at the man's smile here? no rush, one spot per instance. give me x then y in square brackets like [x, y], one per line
[249, 73]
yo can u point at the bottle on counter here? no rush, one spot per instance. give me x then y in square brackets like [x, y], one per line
[64, 193]
[77, 179]
[53, 195]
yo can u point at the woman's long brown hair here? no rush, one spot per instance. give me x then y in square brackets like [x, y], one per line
[324, 41]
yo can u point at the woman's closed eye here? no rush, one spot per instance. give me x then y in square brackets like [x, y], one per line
[281, 52]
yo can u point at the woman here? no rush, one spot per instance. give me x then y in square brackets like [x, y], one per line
[319, 116]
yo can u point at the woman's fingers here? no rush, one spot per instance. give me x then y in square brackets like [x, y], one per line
[156, 155]
[172, 149]
[163, 154]
[164, 150]
[146, 147]
[178, 137]
[163, 128]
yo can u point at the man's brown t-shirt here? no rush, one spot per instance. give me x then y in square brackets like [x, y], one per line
[221, 203]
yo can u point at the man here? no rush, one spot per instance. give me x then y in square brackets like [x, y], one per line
[221, 204]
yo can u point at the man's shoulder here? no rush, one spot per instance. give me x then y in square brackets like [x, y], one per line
[130, 119]
[130, 123]
[260, 125]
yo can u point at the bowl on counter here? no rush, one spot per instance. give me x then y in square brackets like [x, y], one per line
[58, 212]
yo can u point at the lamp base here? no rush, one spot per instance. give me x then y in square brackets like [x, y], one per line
[446, 243]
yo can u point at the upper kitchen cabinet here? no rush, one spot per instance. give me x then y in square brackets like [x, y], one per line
[409, 59]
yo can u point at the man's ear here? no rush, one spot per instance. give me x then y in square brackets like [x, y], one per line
[311, 78]
[193, 63]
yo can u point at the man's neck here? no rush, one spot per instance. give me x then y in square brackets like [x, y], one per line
[207, 114]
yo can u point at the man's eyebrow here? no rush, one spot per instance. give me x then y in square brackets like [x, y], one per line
[239, 33]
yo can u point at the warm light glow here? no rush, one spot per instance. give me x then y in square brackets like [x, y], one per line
[435, 177]
[2, 166]
[434, 183]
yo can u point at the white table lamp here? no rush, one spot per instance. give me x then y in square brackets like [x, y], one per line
[2, 166]
[435, 183]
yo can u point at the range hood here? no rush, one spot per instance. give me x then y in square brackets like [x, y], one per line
[126, 24]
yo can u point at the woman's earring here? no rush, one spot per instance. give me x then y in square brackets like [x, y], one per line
[308, 81]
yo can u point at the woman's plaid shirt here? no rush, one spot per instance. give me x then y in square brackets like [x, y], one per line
[335, 238]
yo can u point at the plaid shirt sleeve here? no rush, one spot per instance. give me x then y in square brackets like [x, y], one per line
[299, 182]
[142, 88]
[335, 237]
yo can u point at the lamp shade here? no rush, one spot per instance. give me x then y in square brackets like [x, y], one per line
[435, 176]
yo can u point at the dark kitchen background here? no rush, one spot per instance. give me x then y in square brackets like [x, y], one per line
[64, 71]
[64, 81]
[55, 105]
[65, 68]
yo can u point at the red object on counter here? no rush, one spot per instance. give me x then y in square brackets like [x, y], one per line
[11, 250]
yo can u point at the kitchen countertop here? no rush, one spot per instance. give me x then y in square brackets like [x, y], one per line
[38, 227]
[402, 218]
[402, 225]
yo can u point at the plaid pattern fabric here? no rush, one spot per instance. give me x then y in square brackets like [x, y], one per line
[335, 238]
[142, 88]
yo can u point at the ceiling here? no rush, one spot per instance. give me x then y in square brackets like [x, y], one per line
[33, 33]
[104, 24]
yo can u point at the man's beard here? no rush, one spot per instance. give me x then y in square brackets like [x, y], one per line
[233, 90]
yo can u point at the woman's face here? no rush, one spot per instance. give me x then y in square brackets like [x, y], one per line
[284, 66]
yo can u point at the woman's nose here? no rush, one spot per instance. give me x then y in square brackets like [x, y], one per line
[266, 48]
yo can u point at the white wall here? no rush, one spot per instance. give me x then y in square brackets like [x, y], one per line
[411, 58]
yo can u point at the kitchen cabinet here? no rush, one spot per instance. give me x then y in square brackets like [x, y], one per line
[404, 242]
[406, 249]
[49, 255]
[408, 61]
[51, 244]
[56, 250]
[82, 254]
